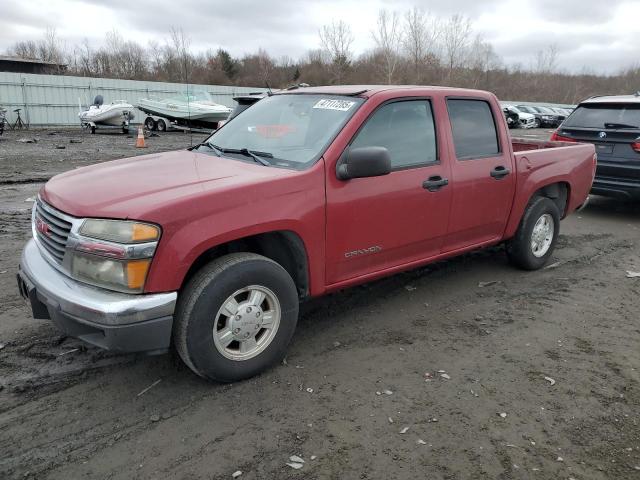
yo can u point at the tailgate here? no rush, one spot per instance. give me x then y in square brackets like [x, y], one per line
[616, 157]
[614, 129]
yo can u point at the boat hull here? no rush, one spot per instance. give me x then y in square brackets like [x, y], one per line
[196, 114]
[113, 115]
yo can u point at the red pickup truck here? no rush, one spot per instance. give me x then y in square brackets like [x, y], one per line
[307, 192]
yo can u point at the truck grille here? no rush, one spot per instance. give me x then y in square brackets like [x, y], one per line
[51, 230]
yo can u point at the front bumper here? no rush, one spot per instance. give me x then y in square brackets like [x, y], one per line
[110, 320]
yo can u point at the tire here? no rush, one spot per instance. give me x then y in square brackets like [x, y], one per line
[537, 123]
[523, 250]
[125, 130]
[93, 130]
[204, 306]
[150, 124]
[162, 127]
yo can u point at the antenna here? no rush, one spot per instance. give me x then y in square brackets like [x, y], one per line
[267, 84]
[186, 81]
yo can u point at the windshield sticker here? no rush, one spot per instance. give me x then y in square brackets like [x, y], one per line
[271, 131]
[329, 104]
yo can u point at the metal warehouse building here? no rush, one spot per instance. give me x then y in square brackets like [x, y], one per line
[54, 99]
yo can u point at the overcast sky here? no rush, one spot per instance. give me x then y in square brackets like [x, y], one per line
[603, 36]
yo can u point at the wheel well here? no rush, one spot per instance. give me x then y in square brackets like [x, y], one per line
[284, 247]
[558, 192]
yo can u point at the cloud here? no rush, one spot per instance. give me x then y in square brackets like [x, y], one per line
[578, 11]
[599, 35]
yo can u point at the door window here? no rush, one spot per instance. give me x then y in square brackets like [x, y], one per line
[474, 129]
[406, 129]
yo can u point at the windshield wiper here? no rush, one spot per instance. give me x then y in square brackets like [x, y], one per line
[218, 151]
[258, 157]
[619, 125]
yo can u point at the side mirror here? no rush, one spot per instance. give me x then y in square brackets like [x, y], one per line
[363, 162]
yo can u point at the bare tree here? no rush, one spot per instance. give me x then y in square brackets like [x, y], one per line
[545, 61]
[266, 65]
[388, 40]
[51, 48]
[180, 44]
[421, 34]
[48, 49]
[25, 49]
[482, 60]
[438, 50]
[456, 36]
[336, 40]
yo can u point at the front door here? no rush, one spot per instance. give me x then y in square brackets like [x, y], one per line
[381, 222]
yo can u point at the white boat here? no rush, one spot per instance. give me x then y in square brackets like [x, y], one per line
[115, 114]
[194, 108]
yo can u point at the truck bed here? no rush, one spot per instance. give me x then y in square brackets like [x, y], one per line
[526, 144]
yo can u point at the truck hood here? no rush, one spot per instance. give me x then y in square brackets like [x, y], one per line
[135, 187]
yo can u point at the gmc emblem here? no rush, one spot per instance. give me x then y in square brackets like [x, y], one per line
[42, 227]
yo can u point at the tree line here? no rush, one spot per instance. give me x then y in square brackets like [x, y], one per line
[411, 47]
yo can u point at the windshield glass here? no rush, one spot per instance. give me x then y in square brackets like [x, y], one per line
[295, 129]
[194, 96]
[596, 115]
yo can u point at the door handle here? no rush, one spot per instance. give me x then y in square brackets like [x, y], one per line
[500, 172]
[435, 183]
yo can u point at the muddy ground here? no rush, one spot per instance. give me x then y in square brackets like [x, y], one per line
[67, 412]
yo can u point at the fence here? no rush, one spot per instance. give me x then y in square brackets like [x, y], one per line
[53, 99]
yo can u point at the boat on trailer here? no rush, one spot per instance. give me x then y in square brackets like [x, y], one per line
[116, 114]
[190, 110]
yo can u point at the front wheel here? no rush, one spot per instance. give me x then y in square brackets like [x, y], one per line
[235, 317]
[150, 124]
[536, 236]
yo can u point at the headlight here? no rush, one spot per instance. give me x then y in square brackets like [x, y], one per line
[119, 231]
[114, 254]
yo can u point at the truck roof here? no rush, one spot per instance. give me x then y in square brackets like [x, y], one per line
[368, 90]
[614, 99]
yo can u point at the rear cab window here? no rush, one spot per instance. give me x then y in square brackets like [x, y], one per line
[475, 134]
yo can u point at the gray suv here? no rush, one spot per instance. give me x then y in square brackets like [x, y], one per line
[612, 124]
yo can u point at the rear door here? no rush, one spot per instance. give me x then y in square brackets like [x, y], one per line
[482, 171]
[378, 223]
[612, 128]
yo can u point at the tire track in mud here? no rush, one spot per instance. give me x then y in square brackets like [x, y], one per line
[501, 307]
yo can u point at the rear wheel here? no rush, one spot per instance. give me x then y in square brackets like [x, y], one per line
[536, 236]
[236, 317]
[162, 127]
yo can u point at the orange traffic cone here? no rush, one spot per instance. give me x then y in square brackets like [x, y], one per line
[140, 140]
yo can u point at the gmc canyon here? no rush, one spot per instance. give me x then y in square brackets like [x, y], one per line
[309, 191]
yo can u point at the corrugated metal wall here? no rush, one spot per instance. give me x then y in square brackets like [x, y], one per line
[53, 99]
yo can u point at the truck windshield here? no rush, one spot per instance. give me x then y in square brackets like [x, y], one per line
[294, 128]
[600, 115]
